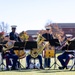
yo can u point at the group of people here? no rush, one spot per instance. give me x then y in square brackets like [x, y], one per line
[48, 36]
[9, 54]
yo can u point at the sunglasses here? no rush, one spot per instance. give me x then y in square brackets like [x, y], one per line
[48, 29]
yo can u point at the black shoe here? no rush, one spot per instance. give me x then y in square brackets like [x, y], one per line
[41, 68]
[66, 67]
[48, 66]
[13, 68]
[27, 67]
[63, 67]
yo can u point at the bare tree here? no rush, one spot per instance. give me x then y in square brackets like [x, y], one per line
[3, 27]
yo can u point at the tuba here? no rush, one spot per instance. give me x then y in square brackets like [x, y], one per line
[40, 39]
[41, 45]
[24, 37]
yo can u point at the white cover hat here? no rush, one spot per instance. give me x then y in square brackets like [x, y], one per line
[69, 35]
[13, 26]
[48, 27]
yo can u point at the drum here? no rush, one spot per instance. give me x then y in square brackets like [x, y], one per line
[48, 53]
[20, 53]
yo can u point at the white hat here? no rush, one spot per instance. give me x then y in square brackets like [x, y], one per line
[69, 35]
[48, 27]
[13, 26]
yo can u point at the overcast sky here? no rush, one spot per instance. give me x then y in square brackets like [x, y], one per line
[34, 14]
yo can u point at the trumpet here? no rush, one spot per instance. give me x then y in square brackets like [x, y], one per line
[63, 44]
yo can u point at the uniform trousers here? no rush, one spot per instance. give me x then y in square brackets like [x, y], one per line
[64, 58]
[47, 62]
[14, 59]
[29, 57]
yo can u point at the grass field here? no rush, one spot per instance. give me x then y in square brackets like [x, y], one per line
[47, 71]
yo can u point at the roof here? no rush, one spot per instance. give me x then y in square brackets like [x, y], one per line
[61, 25]
[66, 25]
[32, 32]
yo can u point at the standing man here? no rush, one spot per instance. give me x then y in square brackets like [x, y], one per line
[48, 36]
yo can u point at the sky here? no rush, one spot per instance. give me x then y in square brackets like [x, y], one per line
[35, 14]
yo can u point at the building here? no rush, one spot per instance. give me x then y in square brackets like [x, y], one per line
[32, 32]
[68, 28]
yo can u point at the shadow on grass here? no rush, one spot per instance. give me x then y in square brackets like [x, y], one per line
[39, 70]
[54, 71]
[45, 70]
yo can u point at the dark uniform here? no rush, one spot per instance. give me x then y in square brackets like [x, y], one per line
[65, 56]
[48, 37]
[14, 36]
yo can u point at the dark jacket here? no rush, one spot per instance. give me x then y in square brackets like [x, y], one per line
[14, 37]
[47, 36]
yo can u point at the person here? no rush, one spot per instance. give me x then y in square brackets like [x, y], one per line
[66, 55]
[29, 57]
[48, 36]
[13, 35]
[10, 53]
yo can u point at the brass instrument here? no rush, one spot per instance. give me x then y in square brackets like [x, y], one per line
[8, 45]
[63, 44]
[40, 41]
[21, 54]
[24, 36]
